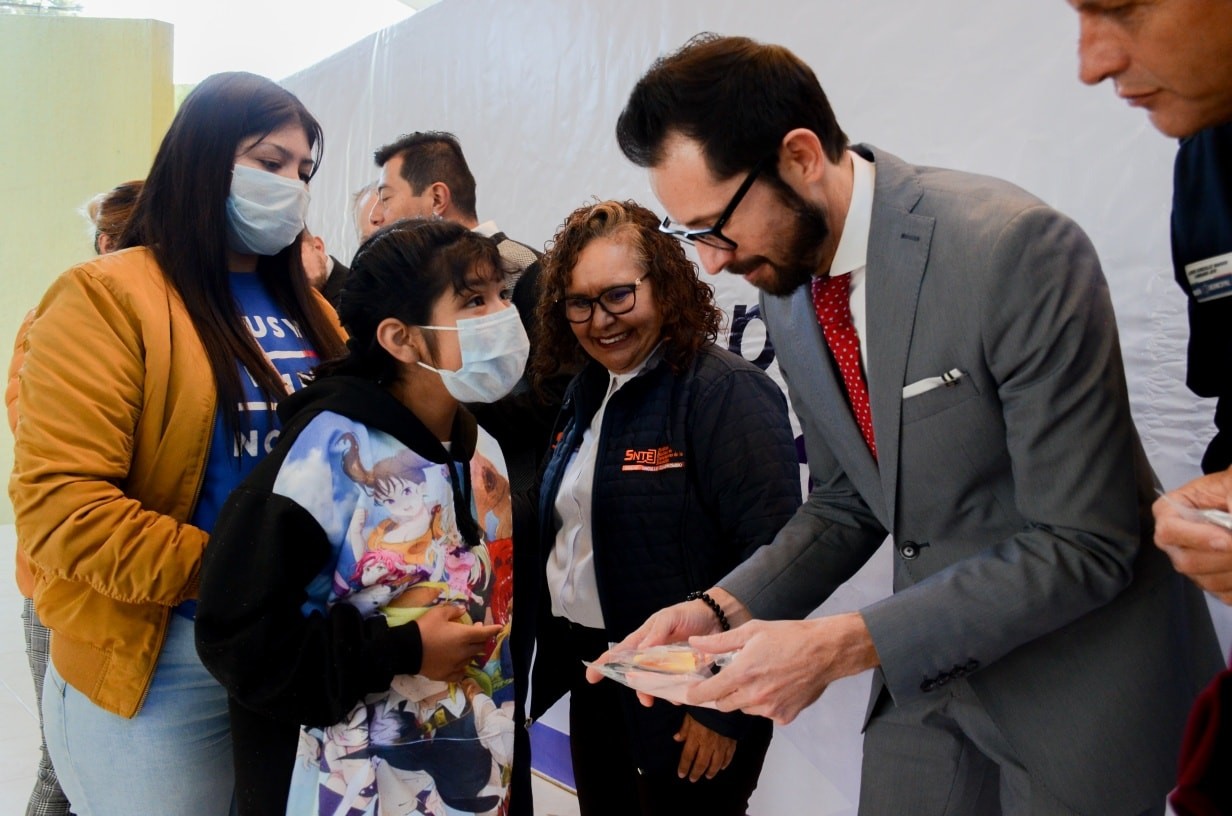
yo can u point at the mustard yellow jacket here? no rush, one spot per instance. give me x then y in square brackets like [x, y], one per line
[117, 406]
[25, 578]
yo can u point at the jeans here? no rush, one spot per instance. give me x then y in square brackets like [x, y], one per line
[172, 759]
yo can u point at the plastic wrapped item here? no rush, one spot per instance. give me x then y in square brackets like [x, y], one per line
[1219, 518]
[666, 672]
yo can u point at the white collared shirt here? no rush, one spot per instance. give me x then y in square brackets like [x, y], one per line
[487, 229]
[852, 252]
[571, 566]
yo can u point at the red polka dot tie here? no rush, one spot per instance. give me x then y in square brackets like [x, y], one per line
[832, 300]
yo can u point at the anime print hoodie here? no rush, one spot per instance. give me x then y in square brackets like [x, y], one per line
[321, 562]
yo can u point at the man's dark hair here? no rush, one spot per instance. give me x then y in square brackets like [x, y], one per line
[432, 156]
[734, 96]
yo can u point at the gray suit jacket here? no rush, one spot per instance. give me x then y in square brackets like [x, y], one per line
[1018, 497]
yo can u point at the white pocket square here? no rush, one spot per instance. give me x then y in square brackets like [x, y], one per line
[948, 379]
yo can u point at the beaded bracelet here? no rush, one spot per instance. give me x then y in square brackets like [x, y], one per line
[714, 606]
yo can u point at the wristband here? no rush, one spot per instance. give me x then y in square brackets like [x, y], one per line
[714, 606]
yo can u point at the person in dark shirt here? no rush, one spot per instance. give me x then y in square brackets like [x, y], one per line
[672, 462]
[1174, 58]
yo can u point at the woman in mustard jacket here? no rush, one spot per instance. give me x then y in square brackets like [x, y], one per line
[109, 213]
[146, 393]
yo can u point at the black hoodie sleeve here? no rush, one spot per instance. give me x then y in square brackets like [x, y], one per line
[255, 639]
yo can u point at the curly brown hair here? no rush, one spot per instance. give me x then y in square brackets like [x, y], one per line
[690, 317]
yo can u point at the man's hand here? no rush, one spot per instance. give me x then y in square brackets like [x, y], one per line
[782, 667]
[674, 624]
[705, 752]
[1198, 549]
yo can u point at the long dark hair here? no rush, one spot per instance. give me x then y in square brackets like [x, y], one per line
[401, 271]
[181, 217]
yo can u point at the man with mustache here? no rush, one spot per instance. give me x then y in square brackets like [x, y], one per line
[951, 353]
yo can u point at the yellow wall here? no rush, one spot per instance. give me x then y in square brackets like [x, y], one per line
[83, 106]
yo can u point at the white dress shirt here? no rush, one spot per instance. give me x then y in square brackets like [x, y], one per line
[852, 252]
[487, 229]
[571, 566]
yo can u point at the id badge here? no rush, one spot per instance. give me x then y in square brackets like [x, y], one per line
[1210, 279]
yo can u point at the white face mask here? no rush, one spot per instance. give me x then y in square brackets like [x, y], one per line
[265, 212]
[494, 352]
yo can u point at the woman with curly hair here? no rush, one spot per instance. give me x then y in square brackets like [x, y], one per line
[673, 461]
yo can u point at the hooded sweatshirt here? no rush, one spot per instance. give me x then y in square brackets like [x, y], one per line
[357, 523]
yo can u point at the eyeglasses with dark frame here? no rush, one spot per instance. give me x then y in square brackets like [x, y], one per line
[713, 236]
[615, 300]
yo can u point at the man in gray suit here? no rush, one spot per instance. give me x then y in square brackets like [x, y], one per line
[951, 353]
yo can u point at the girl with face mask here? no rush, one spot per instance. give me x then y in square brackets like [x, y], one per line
[405, 696]
[147, 393]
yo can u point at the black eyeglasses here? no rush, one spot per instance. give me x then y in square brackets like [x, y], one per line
[713, 236]
[615, 300]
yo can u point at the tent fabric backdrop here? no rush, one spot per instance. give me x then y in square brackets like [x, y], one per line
[533, 89]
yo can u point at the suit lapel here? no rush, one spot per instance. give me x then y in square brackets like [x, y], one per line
[820, 393]
[898, 246]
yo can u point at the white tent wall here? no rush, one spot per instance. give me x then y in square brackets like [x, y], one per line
[533, 88]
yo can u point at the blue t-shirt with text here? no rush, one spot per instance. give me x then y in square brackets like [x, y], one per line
[233, 456]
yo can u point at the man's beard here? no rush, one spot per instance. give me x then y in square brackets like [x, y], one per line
[801, 251]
